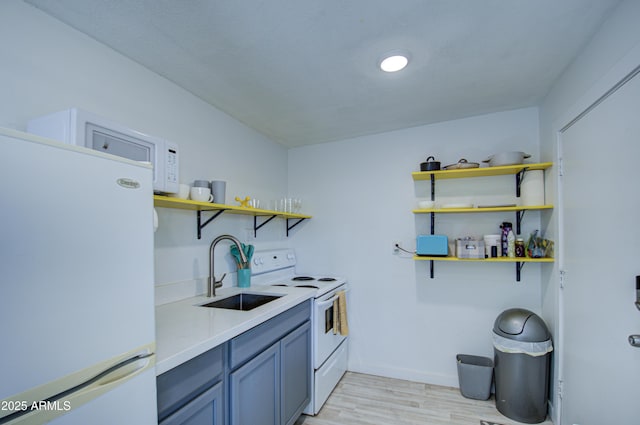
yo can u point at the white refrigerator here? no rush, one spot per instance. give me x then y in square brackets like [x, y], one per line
[76, 292]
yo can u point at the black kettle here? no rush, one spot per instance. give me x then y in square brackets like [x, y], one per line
[430, 164]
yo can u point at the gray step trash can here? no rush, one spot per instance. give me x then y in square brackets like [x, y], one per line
[475, 375]
[522, 348]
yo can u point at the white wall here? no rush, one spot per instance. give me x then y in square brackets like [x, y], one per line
[404, 324]
[360, 191]
[48, 66]
[609, 56]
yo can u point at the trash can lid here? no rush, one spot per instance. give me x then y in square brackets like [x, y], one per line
[521, 325]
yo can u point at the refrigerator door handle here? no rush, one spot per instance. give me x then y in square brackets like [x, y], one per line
[112, 376]
[84, 392]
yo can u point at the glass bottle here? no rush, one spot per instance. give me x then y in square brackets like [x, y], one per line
[511, 244]
[504, 243]
[520, 247]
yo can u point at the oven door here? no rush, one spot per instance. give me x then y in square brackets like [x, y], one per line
[325, 341]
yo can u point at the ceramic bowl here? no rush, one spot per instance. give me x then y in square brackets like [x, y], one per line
[425, 205]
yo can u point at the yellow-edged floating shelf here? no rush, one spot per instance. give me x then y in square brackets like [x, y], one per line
[217, 209]
[514, 170]
[186, 204]
[486, 260]
[482, 210]
[518, 261]
[479, 172]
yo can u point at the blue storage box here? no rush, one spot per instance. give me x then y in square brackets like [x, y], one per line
[435, 245]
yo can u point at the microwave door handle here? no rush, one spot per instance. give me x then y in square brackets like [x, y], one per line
[331, 300]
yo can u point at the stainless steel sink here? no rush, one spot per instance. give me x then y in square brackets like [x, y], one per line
[243, 302]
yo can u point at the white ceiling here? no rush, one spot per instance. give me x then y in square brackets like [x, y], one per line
[304, 72]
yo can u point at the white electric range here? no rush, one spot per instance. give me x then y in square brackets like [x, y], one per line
[329, 349]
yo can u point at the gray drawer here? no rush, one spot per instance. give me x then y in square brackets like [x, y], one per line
[245, 346]
[181, 384]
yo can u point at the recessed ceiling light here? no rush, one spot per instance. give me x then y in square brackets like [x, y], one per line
[394, 61]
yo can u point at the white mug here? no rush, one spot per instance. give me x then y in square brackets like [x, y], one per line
[183, 192]
[201, 194]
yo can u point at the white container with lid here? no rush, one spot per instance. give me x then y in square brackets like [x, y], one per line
[532, 188]
[492, 240]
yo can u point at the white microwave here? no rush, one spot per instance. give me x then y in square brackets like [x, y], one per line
[77, 127]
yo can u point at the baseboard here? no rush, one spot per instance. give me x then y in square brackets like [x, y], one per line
[406, 374]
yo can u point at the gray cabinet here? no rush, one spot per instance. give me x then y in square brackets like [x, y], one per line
[205, 409]
[261, 377]
[255, 390]
[192, 393]
[270, 379]
[295, 373]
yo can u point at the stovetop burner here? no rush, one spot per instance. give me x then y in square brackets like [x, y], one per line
[277, 267]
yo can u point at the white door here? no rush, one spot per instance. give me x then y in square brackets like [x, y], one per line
[601, 208]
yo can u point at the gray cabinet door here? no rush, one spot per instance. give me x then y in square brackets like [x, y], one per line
[255, 390]
[182, 384]
[205, 409]
[295, 363]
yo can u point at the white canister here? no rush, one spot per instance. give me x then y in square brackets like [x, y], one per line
[532, 188]
[492, 241]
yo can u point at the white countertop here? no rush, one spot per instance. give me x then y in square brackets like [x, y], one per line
[185, 330]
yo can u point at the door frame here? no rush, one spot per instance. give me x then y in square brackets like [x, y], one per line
[559, 338]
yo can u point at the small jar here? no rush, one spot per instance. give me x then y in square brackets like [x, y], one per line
[519, 247]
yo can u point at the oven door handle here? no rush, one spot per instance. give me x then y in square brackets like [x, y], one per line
[330, 301]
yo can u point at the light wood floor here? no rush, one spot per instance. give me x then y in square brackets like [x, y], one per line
[372, 400]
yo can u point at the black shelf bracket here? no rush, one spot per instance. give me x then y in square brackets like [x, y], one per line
[289, 227]
[519, 178]
[433, 187]
[519, 266]
[433, 220]
[519, 216]
[202, 225]
[433, 223]
[257, 226]
[433, 228]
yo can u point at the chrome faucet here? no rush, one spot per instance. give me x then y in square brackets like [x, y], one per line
[213, 283]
